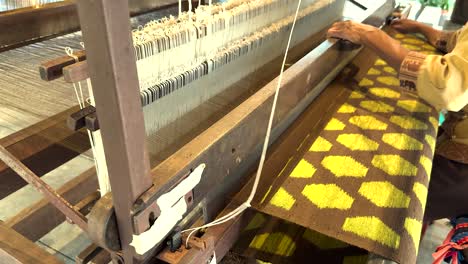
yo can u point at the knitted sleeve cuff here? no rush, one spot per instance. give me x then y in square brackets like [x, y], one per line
[443, 43]
[409, 70]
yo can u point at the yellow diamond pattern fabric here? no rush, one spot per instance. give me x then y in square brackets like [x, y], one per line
[373, 71]
[384, 194]
[321, 145]
[335, 124]
[283, 199]
[276, 243]
[279, 241]
[413, 227]
[322, 241]
[426, 164]
[368, 122]
[366, 82]
[357, 142]
[388, 80]
[356, 95]
[328, 196]
[390, 70]
[384, 92]
[376, 106]
[372, 164]
[420, 190]
[346, 108]
[402, 141]
[373, 228]
[344, 166]
[303, 170]
[394, 165]
[414, 106]
[408, 122]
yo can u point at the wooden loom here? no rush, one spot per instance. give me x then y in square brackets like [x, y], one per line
[223, 143]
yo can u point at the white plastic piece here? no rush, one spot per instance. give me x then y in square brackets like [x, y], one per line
[213, 260]
[173, 206]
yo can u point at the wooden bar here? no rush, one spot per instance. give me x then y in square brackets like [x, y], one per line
[111, 61]
[30, 24]
[93, 255]
[76, 72]
[51, 70]
[65, 207]
[42, 147]
[15, 248]
[43, 212]
[25, 25]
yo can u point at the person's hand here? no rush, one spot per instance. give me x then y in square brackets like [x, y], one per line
[406, 26]
[349, 30]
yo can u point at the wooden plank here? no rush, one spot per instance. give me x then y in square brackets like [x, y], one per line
[26, 25]
[45, 213]
[76, 72]
[51, 70]
[42, 147]
[37, 128]
[15, 248]
[113, 73]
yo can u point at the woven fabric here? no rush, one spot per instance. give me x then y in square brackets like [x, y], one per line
[364, 179]
[273, 240]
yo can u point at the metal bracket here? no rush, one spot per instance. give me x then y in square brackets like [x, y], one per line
[164, 213]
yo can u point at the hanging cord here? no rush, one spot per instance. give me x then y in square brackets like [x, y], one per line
[69, 52]
[247, 204]
[180, 8]
[190, 10]
[81, 101]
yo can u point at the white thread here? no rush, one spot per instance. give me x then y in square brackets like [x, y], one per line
[180, 7]
[77, 96]
[81, 93]
[247, 204]
[69, 52]
[189, 9]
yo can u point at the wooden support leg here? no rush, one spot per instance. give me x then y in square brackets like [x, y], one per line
[15, 248]
[25, 222]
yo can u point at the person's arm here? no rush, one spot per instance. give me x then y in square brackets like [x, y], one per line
[442, 40]
[440, 80]
[378, 41]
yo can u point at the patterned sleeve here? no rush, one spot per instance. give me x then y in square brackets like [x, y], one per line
[441, 80]
[409, 70]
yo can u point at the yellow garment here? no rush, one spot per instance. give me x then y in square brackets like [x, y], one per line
[442, 80]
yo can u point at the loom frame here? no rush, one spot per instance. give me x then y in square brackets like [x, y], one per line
[109, 47]
[30, 24]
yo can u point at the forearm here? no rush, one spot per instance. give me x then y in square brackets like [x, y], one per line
[385, 47]
[431, 34]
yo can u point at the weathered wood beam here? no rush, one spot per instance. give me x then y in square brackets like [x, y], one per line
[25, 222]
[15, 248]
[42, 147]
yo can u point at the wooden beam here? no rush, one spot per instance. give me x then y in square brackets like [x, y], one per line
[15, 248]
[42, 147]
[26, 221]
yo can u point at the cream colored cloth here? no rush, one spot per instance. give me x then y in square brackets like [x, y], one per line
[442, 80]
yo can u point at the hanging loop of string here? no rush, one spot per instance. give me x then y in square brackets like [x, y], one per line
[266, 142]
[81, 102]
